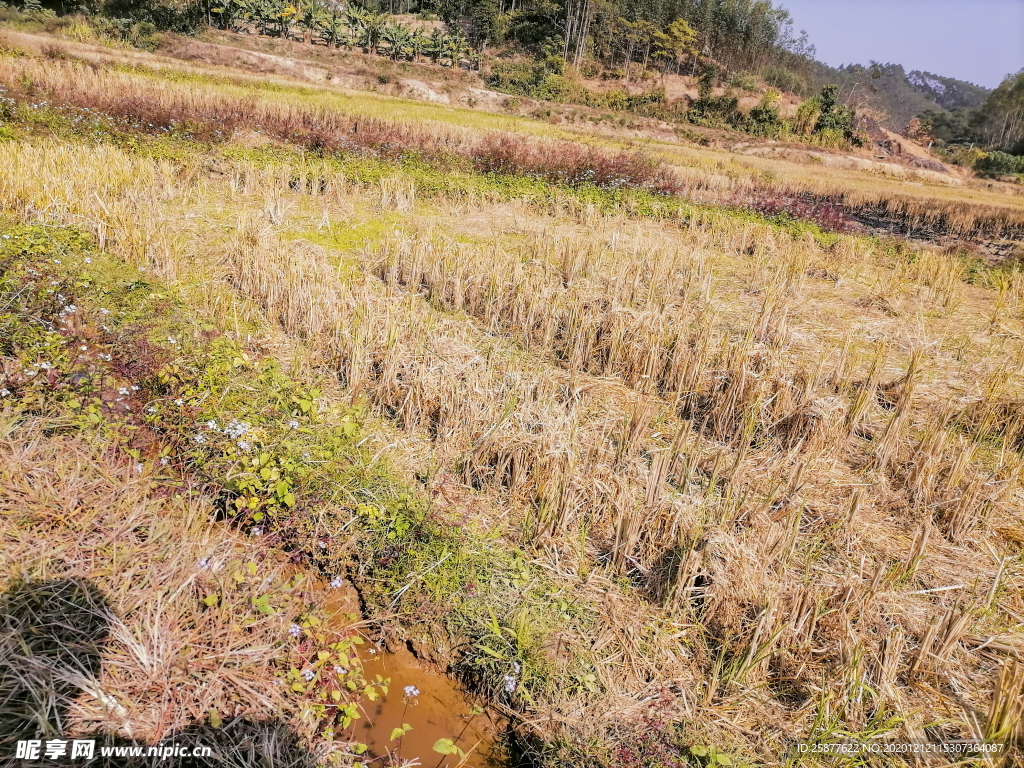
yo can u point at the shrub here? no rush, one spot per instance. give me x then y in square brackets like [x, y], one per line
[999, 164]
[515, 78]
[834, 116]
[745, 83]
[807, 116]
[786, 80]
[764, 119]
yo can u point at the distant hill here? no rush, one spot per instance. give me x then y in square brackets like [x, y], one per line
[888, 88]
[948, 92]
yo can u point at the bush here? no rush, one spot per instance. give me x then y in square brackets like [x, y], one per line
[138, 34]
[764, 119]
[748, 83]
[547, 81]
[999, 164]
[786, 80]
[515, 78]
[709, 110]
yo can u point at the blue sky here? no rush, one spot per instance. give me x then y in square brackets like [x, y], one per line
[981, 41]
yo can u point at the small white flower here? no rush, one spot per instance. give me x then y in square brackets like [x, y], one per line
[340, 671]
[510, 683]
[244, 446]
[4, 392]
[294, 630]
[309, 674]
[516, 668]
[135, 388]
[179, 401]
[204, 562]
[411, 691]
[257, 531]
[123, 391]
[164, 461]
[337, 582]
[83, 347]
[151, 409]
[104, 311]
[323, 544]
[293, 424]
[235, 429]
[139, 468]
[199, 439]
[88, 260]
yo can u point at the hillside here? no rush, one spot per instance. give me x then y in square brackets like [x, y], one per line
[947, 92]
[898, 95]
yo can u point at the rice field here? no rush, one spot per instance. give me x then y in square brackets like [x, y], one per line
[716, 480]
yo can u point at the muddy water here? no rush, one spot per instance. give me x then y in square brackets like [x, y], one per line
[438, 710]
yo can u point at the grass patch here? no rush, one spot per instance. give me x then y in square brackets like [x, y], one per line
[113, 355]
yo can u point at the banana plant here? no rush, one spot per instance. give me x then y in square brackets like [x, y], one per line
[435, 45]
[373, 27]
[397, 37]
[308, 16]
[454, 49]
[223, 13]
[330, 27]
[418, 44]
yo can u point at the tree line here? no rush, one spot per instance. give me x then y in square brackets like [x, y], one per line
[621, 35]
[997, 125]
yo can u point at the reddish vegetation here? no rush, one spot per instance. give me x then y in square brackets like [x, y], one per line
[572, 164]
[825, 213]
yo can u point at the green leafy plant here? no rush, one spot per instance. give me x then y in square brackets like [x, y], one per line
[709, 756]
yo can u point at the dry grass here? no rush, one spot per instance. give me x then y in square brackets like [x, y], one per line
[104, 627]
[322, 118]
[804, 461]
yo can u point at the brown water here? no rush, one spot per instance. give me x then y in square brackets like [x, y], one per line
[440, 709]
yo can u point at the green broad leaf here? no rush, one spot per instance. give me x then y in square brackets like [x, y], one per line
[723, 760]
[445, 747]
[397, 733]
[210, 600]
[698, 751]
[262, 604]
[215, 721]
[289, 499]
